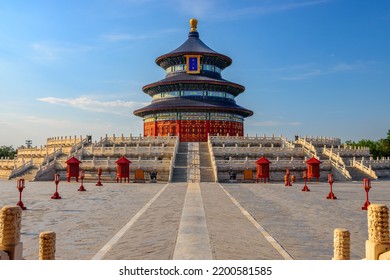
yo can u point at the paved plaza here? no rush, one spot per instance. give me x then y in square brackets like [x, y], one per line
[151, 221]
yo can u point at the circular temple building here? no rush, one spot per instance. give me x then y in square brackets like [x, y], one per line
[193, 100]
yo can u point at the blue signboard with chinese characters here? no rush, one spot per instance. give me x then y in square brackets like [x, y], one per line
[193, 64]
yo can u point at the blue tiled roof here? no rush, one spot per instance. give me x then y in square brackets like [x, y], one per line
[188, 79]
[186, 103]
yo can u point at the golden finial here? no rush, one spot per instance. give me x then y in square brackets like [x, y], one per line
[193, 24]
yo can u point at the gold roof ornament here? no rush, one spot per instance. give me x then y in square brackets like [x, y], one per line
[193, 24]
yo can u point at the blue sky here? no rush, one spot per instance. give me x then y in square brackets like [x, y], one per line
[310, 67]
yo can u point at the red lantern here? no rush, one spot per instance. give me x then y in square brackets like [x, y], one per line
[305, 187]
[367, 187]
[56, 195]
[330, 181]
[287, 178]
[82, 174]
[99, 183]
[20, 186]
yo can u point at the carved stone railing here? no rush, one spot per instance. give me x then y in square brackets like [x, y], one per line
[321, 141]
[245, 140]
[52, 156]
[121, 140]
[173, 159]
[366, 169]
[308, 147]
[259, 151]
[276, 164]
[77, 146]
[136, 150]
[212, 158]
[287, 143]
[45, 169]
[21, 169]
[383, 162]
[337, 162]
[110, 163]
[7, 163]
[349, 151]
[334, 156]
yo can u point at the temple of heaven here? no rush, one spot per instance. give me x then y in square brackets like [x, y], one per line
[193, 100]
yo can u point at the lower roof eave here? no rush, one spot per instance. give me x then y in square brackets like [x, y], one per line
[142, 113]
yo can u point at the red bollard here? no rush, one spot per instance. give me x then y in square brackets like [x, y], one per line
[82, 189]
[287, 178]
[367, 187]
[56, 195]
[99, 183]
[305, 187]
[330, 181]
[20, 186]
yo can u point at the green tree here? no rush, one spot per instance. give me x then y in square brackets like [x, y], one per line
[7, 151]
[380, 148]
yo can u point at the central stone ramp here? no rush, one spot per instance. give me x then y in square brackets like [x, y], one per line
[193, 241]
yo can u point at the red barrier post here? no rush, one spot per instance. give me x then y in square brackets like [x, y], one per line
[56, 195]
[99, 183]
[20, 186]
[305, 187]
[82, 174]
[330, 181]
[367, 187]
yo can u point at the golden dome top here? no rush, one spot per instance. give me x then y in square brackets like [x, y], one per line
[193, 24]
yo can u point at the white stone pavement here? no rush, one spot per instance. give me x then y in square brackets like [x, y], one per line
[146, 221]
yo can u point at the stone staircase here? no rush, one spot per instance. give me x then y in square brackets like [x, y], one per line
[206, 170]
[27, 175]
[356, 174]
[181, 163]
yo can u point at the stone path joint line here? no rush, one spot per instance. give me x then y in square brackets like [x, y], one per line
[193, 242]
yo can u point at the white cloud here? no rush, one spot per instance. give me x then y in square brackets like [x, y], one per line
[45, 51]
[312, 70]
[118, 107]
[119, 37]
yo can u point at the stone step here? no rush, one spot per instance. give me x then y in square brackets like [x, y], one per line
[206, 175]
[206, 171]
[179, 175]
[356, 174]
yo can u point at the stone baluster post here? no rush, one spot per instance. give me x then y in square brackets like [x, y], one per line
[47, 245]
[378, 231]
[341, 244]
[10, 225]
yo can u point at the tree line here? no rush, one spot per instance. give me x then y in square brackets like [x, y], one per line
[380, 148]
[7, 151]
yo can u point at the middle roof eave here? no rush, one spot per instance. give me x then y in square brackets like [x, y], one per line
[179, 79]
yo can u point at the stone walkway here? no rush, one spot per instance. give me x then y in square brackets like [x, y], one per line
[142, 221]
